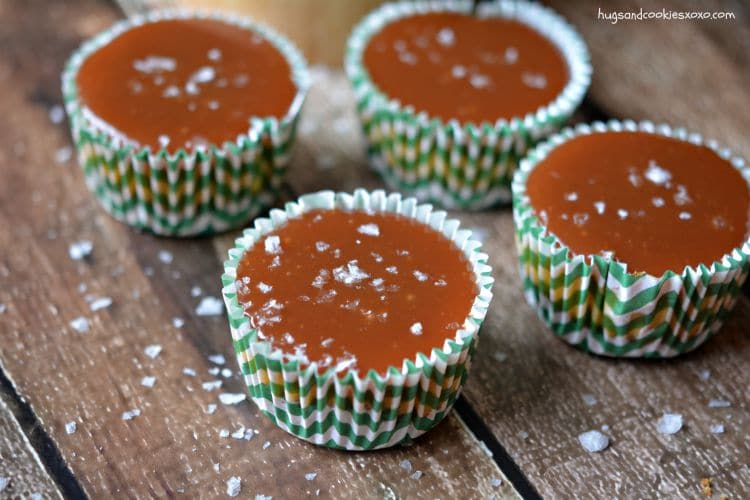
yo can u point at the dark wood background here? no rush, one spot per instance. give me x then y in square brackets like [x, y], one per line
[523, 406]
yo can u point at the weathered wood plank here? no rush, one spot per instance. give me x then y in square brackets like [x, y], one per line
[21, 471]
[174, 445]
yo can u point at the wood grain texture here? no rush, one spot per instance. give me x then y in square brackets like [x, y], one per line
[20, 465]
[174, 445]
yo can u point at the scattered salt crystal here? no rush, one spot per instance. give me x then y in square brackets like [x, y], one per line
[224, 433]
[416, 329]
[523, 435]
[496, 483]
[622, 213]
[196, 291]
[231, 398]
[171, 91]
[264, 287]
[534, 80]
[589, 399]
[226, 372]
[163, 140]
[593, 441]
[405, 464]
[266, 445]
[213, 105]
[446, 37]
[704, 375]
[458, 71]
[579, 219]
[239, 433]
[657, 174]
[719, 403]
[369, 229]
[350, 274]
[272, 245]
[209, 306]
[321, 246]
[416, 475]
[213, 370]
[178, 322]
[420, 275]
[210, 409]
[685, 215]
[511, 55]
[263, 497]
[148, 381]
[70, 427]
[392, 269]
[234, 485]
[4, 308]
[56, 114]
[681, 197]
[4, 482]
[80, 324]
[131, 414]
[214, 54]
[211, 385]
[203, 74]
[154, 64]
[479, 81]
[152, 351]
[669, 423]
[657, 201]
[100, 303]
[217, 359]
[63, 154]
[717, 429]
[165, 256]
[80, 249]
[599, 206]
[326, 342]
[571, 196]
[189, 372]
[311, 476]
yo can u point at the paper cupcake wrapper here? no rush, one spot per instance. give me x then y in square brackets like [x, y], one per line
[198, 191]
[452, 164]
[357, 411]
[595, 304]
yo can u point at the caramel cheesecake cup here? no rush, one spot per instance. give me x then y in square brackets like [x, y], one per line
[449, 101]
[632, 237]
[184, 121]
[355, 316]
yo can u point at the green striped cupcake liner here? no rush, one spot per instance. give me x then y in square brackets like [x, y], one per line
[357, 411]
[452, 164]
[189, 192]
[594, 303]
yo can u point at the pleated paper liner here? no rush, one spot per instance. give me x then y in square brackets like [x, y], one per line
[189, 192]
[595, 304]
[452, 164]
[357, 411]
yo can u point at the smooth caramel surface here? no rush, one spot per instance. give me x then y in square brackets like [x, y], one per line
[355, 290]
[457, 66]
[181, 83]
[655, 202]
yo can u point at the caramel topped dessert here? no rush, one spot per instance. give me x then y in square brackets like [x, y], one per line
[458, 66]
[355, 290]
[652, 202]
[185, 82]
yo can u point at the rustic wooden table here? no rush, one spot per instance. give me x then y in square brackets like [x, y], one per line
[513, 432]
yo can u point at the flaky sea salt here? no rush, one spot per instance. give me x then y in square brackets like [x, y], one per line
[420, 275]
[63, 154]
[369, 229]
[657, 174]
[231, 398]
[214, 54]
[211, 409]
[322, 246]
[510, 55]
[417, 475]
[100, 303]
[217, 359]
[685, 215]
[211, 385]
[416, 329]
[534, 80]
[56, 114]
[310, 476]
[3, 308]
[704, 375]
[178, 322]
[70, 427]
[209, 306]
[599, 206]
[622, 213]
[593, 441]
[80, 249]
[717, 429]
[264, 287]
[155, 64]
[496, 482]
[152, 351]
[189, 372]
[589, 399]
[669, 423]
[446, 37]
[266, 445]
[657, 201]
[479, 81]
[165, 256]
[405, 464]
[719, 403]
[458, 71]
[4, 482]
[272, 244]
[131, 414]
[350, 274]
[234, 485]
[80, 324]
[572, 196]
